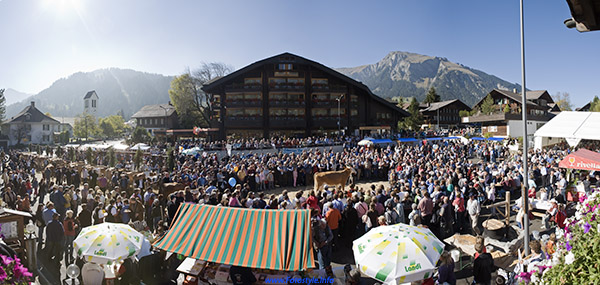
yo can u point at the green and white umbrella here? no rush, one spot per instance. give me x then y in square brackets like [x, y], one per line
[108, 242]
[398, 253]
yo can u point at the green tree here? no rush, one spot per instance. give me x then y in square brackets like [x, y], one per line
[112, 126]
[106, 128]
[465, 113]
[63, 137]
[89, 156]
[487, 106]
[85, 126]
[170, 159]
[137, 159]
[194, 106]
[182, 94]
[432, 96]
[112, 157]
[140, 135]
[415, 119]
[2, 105]
[563, 100]
[59, 151]
[595, 105]
[71, 153]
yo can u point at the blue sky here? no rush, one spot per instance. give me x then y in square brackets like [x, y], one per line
[44, 40]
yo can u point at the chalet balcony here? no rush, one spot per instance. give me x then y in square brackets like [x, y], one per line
[297, 86]
[328, 103]
[327, 121]
[287, 121]
[244, 121]
[240, 87]
[495, 117]
[287, 103]
[243, 103]
[329, 87]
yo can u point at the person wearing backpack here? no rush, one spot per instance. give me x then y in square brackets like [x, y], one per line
[391, 216]
[70, 228]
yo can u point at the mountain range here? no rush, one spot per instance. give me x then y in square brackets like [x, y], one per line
[14, 96]
[399, 74]
[405, 74]
[118, 89]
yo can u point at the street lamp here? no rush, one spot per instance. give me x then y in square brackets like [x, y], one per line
[339, 100]
[525, 142]
[165, 124]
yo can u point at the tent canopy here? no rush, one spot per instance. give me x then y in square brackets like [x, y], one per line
[382, 141]
[576, 125]
[267, 239]
[582, 159]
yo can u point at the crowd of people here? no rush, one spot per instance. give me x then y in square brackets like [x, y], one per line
[438, 185]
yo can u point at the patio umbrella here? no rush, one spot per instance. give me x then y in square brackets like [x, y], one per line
[365, 142]
[397, 253]
[108, 242]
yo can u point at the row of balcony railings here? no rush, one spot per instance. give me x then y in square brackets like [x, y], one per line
[286, 85]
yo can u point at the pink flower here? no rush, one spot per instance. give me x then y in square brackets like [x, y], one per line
[6, 260]
[525, 276]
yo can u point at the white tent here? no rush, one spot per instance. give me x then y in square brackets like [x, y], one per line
[571, 126]
[141, 146]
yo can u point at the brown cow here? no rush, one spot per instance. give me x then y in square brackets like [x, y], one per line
[172, 187]
[339, 177]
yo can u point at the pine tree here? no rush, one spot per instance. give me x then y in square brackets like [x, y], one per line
[432, 96]
[487, 106]
[415, 119]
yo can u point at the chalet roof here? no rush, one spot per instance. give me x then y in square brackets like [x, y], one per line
[585, 107]
[154, 111]
[31, 114]
[213, 80]
[89, 94]
[218, 81]
[534, 94]
[438, 105]
[513, 96]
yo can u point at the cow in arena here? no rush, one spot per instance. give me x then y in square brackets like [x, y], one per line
[331, 178]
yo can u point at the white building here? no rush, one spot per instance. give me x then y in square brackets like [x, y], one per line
[90, 103]
[31, 126]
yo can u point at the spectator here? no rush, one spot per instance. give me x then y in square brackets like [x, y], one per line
[474, 209]
[483, 266]
[70, 230]
[322, 238]
[333, 218]
[55, 240]
[446, 269]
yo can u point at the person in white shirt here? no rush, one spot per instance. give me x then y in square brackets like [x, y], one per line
[92, 273]
[473, 208]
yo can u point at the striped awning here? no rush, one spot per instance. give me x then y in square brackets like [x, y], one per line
[268, 239]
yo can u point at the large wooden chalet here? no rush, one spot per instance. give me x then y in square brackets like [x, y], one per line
[290, 95]
[505, 119]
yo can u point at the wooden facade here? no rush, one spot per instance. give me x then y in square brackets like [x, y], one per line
[448, 112]
[293, 96]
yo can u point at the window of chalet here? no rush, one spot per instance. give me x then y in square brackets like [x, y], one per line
[319, 112]
[285, 66]
[334, 111]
